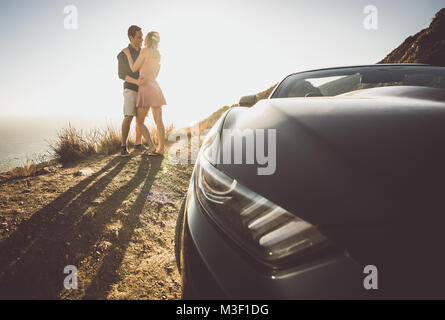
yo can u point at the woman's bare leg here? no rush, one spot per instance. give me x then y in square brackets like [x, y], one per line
[138, 131]
[138, 135]
[140, 118]
[157, 116]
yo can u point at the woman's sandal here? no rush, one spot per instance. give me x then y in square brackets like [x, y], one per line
[156, 154]
[152, 153]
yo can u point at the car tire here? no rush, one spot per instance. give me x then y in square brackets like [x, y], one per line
[178, 232]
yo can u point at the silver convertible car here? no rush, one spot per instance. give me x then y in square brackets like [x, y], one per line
[331, 188]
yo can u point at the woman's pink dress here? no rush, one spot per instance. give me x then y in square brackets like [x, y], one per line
[150, 94]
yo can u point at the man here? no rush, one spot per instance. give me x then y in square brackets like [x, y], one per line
[131, 86]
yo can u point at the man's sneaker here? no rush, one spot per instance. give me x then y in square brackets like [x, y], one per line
[124, 152]
[140, 147]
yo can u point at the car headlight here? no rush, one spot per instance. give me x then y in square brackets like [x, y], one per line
[265, 230]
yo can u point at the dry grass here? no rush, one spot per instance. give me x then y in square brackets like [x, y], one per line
[109, 141]
[73, 144]
[29, 169]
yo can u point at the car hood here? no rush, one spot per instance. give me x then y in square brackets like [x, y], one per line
[361, 158]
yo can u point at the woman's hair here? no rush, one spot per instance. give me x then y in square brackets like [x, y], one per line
[152, 39]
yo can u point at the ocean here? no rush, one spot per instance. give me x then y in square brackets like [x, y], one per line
[26, 138]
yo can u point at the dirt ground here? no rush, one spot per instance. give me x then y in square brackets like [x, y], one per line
[115, 224]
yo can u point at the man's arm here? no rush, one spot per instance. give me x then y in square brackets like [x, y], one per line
[123, 68]
[139, 82]
[131, 80]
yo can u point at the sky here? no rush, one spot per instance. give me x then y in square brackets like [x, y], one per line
[213, 52]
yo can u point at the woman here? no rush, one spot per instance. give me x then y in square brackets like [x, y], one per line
[149, 94]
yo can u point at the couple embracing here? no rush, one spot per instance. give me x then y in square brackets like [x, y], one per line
[139, 69]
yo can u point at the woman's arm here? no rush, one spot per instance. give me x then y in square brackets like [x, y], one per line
[139, 61]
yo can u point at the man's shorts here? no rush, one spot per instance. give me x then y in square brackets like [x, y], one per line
[130, 97]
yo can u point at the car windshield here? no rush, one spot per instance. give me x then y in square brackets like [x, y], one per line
[333, 82]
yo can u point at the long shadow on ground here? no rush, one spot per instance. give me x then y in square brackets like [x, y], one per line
[32, 259]
[107, 273]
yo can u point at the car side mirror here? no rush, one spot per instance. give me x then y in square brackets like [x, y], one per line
[248, 101]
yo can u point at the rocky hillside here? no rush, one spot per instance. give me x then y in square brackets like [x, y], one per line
[426, 46]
